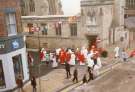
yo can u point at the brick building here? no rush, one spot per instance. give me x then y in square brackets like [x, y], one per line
[13, 60]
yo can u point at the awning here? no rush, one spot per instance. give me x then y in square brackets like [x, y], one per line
[130, 22]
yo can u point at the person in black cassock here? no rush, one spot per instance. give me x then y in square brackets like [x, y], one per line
[67, 68]
[75, 74]
[33, 83]
[84, 79]
[91, 76]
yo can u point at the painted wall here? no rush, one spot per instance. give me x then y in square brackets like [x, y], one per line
[9, 70]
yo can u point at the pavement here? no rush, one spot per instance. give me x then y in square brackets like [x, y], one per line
[120, 79]
[54, 80]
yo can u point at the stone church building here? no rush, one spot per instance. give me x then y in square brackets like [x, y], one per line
[101, 22]
[41, 7]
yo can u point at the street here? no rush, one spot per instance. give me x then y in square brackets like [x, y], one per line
[54, 80]
[120, 79]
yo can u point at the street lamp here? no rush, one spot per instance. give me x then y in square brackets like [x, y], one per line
[37, 29]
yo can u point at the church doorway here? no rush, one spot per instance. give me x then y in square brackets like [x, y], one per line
[92, 40]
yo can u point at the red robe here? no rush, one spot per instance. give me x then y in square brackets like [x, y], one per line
[68, 57]
[62, 56]
[41, 56]
[80, 57]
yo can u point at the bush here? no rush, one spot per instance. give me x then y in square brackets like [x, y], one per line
[104, 54]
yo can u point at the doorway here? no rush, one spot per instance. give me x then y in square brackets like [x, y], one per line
[92, 40]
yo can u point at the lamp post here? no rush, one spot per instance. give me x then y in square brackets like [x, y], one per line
[37, 29]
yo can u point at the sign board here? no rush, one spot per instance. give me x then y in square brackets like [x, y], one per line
[15, 44]
[2, 45]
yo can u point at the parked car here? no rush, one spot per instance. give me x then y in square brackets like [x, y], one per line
[132, 54]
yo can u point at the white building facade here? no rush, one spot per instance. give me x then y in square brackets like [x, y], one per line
[13, 62]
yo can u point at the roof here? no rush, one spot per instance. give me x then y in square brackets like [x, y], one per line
[47, 16]
[130, 22]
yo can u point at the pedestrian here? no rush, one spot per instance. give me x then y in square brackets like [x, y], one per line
[75, 74]
[116, 50]
[33, 83]
[97, 65]
[124, 55]
[91, 76]
[19, 83]
[72, 59]
[84, 79]
[47, 58]
[67, 68]
[54, 63]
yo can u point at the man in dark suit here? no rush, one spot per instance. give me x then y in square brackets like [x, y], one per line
[67, 68]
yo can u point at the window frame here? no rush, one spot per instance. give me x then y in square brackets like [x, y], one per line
[10, 24]
[73, 29]
[58, 29]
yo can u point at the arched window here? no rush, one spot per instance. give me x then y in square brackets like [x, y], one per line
[23, 7]
[91, 15]
[32, 5]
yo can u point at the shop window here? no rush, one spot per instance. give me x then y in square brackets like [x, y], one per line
[11, 24]
[2, 79]
[73, 29]
[17, 64]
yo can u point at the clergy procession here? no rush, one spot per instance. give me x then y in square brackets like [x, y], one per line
[89, 58]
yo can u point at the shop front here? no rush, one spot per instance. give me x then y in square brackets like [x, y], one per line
[13, 62]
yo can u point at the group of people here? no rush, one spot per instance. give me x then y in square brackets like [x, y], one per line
[121, 53]
[19, 82]
[70, 56]
[91, 59]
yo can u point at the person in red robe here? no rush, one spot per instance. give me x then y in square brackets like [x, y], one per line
[80, 57]
[41, 56]
[62, 56]
[68, 57]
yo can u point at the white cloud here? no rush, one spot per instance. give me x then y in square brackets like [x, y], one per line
[71, 7]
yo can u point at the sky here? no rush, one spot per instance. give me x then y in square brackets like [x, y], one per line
[71, 7]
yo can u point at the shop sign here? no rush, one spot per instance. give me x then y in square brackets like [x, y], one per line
[15, 44]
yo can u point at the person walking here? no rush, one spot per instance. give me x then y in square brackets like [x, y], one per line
[19, 83]
[67, 68]
[116, 50]
[33, 83]
[54, 63]
[91, 76]
[124, 55]
[84, 79]
[75, 74]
